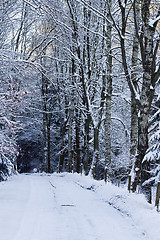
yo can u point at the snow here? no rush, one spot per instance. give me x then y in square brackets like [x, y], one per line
[73, 207]
[153, 21]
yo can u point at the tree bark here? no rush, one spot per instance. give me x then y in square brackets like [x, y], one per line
[87, 157]
[96, 152]
[49, 142]
[78, 159]
[62, 151]
[134, 73]
[71, 114]
[107, 121]
[142, 168]
[44, 122]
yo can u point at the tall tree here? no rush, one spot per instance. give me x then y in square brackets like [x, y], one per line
[134, 77]
[108, 35]
[149, 49]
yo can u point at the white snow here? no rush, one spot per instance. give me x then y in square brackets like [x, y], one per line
[73, 207]
[152, 21]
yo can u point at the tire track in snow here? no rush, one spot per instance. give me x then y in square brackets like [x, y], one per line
[36, 210]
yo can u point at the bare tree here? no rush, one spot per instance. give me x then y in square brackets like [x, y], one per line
[149, 49]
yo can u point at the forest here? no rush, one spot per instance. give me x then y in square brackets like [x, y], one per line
[80, 89]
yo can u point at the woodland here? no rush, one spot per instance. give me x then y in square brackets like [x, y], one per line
[80, 90]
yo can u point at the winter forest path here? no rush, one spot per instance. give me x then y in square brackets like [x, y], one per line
[41, 207]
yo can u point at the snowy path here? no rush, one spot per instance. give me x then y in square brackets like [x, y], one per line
[59, 207]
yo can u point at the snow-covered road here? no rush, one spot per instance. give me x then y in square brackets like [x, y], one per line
[60, 207]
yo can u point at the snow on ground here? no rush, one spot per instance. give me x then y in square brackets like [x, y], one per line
[73, 207]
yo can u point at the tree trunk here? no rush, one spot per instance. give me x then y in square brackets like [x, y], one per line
[109, 94]
[134, 130]
[134, 72]
[62, 151]
[96, 152]
[44, 122]
[87, 157]
[70, 151]
[87, 64]
[142, 168]
[49, 142]
[78, 142]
